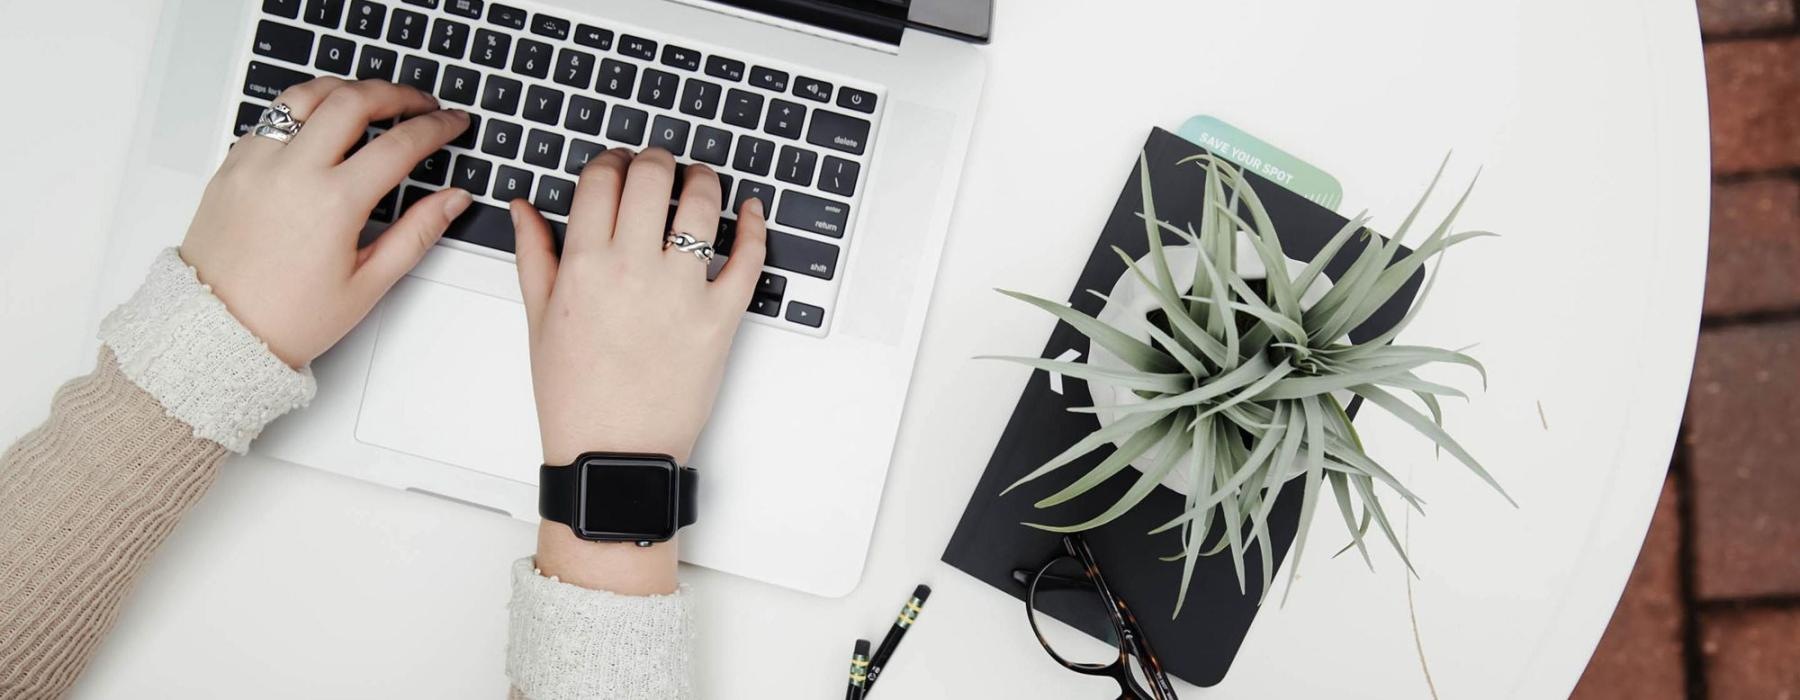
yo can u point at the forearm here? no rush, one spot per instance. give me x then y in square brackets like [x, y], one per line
[86, 499]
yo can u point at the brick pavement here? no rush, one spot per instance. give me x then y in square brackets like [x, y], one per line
[1713, 610]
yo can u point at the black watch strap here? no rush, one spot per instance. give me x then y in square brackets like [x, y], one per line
[559, 493]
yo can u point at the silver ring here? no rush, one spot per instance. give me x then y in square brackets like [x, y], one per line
[687, 243]
[277, 122]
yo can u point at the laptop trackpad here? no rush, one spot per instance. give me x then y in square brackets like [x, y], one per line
[451, 381]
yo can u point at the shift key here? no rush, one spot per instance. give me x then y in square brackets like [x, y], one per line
[807, 257]
[814, 214]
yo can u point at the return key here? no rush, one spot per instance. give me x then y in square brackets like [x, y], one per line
[814, 214]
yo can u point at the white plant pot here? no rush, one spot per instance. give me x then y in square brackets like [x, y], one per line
[1128, 306]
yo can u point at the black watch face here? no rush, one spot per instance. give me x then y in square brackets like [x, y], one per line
[627, 498]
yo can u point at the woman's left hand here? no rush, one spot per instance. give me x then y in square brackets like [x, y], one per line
[276, 232]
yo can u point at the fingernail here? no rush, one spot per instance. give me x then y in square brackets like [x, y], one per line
[754, 204]
[456, 204]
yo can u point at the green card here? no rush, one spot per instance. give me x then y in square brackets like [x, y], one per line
[1257, 156]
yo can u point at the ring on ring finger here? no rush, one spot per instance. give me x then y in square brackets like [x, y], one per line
[688, 243]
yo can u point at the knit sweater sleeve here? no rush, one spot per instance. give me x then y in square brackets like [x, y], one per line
[88, 497]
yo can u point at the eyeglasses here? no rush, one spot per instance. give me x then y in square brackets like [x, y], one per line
[1070, 587]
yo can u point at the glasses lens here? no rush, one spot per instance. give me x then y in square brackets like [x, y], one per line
[1070, 616]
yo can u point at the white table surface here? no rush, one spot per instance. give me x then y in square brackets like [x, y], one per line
[1589, 120]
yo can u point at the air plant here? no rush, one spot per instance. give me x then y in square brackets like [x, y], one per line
[1244, 384]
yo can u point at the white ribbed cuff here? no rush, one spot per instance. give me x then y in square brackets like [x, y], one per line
[571, 642]
[179, 343]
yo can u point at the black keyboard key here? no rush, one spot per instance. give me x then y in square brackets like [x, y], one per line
[376, 63]
[325, 13]
[769, 79]
[670, 134]
[554, 195]
[460, 85]
[501, 138]
[593, 37]
[852, 98]
[784, 119]
[754, 155]
[743, 108]
[466, 139]
[427, 4]
[511, 183]
[700, 98]
[842, 132]
[574, 68]
[580, 152]
[838, 176]
[464, 8]
[387, 208]
[795, 165]
[585, 115]
[637, 47]
[531, 58]
[628, 124]
[766, 306]
[805, 314]
[366, 18]
[809, 88]
[544, 149]
[248, 114]
[419, 72]
[726, 234]
[285, 8]
[543, 105]
[813, 214]
[803, 255]
[336, 54]
[471, 174]
[658, 88]
[616, 78]
[406, 28]
[506, 16]
[678, 57]
[751, 188]
[266, 81]
[724, 190]
[725, 68]
[491, 48]
[489, 226]
[449, 38]
[501, 94]
[280, 41]
[769, 284]
[435, 169]
[711, 145]
[553, 27]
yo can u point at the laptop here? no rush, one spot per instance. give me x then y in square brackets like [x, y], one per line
[848, 118]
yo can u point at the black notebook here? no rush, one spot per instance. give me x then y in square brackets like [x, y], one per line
[990, 542]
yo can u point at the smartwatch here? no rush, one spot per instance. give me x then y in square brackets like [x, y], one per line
[619, 497]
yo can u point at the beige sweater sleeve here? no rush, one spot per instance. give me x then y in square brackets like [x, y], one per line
[84, 501]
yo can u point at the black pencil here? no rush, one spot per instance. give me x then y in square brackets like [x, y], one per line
[859, 671]
[908, 615]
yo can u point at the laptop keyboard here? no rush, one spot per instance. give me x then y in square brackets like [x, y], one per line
[547, 91]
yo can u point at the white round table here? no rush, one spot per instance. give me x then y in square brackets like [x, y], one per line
[1588, 121]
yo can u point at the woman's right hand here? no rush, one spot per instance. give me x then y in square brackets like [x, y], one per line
[628, 339]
